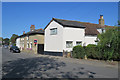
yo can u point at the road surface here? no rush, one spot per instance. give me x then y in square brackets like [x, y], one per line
[27, 65]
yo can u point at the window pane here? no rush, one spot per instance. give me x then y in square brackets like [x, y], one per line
[53, 31]
[69, 44]
[78, 43]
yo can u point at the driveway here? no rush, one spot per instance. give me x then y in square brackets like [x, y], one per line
[27, 65]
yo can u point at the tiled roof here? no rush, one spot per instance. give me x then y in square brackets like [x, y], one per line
[69, 23]
[36, 31]
[90, 28]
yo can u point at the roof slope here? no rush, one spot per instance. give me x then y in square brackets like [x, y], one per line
[90, 28]
[69, 23]
[36, 31]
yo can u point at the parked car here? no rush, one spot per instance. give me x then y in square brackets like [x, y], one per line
[14, 49]
[5, 46]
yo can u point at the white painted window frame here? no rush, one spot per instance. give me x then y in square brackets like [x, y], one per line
[78, 42]
[70, 45]
[53, 31]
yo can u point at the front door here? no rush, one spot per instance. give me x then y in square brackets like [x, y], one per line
[40, 49]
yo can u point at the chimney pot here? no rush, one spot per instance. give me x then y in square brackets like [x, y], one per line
[101, 16]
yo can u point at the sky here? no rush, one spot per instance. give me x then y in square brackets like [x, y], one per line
[19, 16]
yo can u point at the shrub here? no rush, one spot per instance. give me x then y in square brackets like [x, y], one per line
[110, 43]
[14, 44]
[78, 52]
[92, 51]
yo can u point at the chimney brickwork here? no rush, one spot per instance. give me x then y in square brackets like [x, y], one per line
[32, 28]
[23, 32]
[101, 20]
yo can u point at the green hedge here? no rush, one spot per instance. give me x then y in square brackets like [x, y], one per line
[78, 52]
[94, 52]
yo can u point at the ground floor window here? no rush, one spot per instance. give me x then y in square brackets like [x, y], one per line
[78, 43]
[27, 45]
[96, 42]
[69, 44]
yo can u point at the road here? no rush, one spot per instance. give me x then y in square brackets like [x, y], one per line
[27, 65]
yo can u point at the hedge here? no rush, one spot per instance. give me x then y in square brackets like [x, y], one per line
[78, 52]
[94, 52]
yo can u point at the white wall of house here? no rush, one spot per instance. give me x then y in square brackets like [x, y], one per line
[57, 43]
[72, 34]
[18, 42]
[54, 43]
[90, 40]
[99, 30]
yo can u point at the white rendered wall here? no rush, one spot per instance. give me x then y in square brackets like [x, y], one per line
[53, 43]
[72, 34]
[90, 40]
[99, 30]
[18, 42]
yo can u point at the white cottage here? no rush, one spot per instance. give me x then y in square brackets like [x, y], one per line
[65, 34]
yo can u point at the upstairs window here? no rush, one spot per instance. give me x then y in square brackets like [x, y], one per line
[53, 31]
[78, 43]
[27, 37]
[103, 30]
[69, 44]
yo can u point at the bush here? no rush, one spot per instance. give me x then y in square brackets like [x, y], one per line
[78, 52]
[110, 43]
[92, 51]
[14, 44]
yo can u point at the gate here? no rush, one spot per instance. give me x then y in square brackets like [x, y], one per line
[40, 49]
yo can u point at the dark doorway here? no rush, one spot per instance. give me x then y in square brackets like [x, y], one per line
[40, 49]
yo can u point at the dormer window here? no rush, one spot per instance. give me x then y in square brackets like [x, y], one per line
[101, 30]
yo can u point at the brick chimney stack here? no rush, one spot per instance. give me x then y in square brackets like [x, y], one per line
[32, 28]
[23, 32]
[101, 20]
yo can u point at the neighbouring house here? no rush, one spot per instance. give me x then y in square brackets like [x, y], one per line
[31, 42]
[62, 35]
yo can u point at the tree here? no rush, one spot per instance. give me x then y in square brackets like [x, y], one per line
[13, 39]
[118, 23]
[1, 39]
[6, 41]
[110, 43]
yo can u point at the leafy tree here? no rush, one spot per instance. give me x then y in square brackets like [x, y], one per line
[110, 43]
[1, 41]
[13, 39]
[118, 22]
[6, 41]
